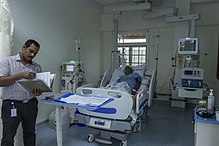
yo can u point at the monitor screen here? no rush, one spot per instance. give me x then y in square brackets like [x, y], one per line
[188, 46]
[69, 67]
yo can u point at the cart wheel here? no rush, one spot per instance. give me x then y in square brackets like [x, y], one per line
[90, 138]
[123, 143]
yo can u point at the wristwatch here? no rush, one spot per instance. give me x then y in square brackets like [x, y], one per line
[134, 90]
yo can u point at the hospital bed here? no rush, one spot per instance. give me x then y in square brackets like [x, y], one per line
[118, 118]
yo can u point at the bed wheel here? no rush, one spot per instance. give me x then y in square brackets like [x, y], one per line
[123, 143]
[90, 138]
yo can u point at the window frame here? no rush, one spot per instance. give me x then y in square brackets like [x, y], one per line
[131, 50]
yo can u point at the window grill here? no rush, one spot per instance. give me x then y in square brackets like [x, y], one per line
[134, 49]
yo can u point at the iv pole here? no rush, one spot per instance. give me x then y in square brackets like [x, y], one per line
[79, 72]
[115, 42]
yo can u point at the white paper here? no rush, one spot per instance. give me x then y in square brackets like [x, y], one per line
[45, 76]
[52, 76]
[85, 100]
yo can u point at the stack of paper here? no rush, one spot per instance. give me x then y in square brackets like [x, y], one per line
[85, 100]
[47, 77]
[42, 80]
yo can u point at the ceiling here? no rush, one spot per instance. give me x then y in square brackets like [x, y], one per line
[118, 2]
[153, 2]
[109, 6]
[112, 2]
[127, 5]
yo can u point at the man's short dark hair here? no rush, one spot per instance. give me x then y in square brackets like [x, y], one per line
[29, 42]
[129, 68]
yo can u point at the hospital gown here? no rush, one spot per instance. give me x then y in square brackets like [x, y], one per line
[130, 79]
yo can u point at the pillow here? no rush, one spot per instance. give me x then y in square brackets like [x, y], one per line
[148, 72]
[140, 69]
[145, 83]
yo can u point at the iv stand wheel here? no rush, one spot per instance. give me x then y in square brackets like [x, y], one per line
[123, 143]
[90, 138]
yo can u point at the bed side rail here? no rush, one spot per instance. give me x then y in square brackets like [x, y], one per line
[152, 88]
[145, 96]
[122, 102]
[141, 100]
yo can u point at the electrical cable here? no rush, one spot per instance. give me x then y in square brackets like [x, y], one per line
[161, 88]
[169, 73]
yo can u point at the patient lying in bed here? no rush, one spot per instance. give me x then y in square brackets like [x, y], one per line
[132, 79]
[129, 82]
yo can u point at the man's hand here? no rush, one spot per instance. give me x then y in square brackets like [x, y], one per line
[37, 91]
[28, 75]
[8, 80]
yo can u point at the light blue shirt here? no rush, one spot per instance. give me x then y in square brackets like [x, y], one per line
[130, 79]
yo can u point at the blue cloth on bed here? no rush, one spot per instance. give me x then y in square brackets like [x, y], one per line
[130, 79]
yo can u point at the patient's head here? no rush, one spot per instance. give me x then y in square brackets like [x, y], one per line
[128, 70]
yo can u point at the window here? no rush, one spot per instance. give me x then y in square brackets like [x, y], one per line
[134, 48]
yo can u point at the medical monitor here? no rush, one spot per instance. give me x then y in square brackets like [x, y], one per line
[68, 67]
[188, 46]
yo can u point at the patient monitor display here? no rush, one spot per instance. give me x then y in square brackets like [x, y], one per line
[188, 46]
[68, 67]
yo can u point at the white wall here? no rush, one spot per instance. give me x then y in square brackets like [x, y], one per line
[217, 80]
[161, 47]
[55, 24]
[209, 18]
[217, 93]
[207, 32]
[208, 37]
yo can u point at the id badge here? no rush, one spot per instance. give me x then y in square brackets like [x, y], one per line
[13, 112]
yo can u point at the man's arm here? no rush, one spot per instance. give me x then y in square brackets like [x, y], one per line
[137, 86]
[8, 80]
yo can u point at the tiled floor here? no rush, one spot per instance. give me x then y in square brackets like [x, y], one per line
[162, 127]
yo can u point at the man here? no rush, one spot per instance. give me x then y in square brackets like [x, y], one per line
[18, 104]
[133, 80]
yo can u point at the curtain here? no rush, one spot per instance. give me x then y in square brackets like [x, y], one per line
[6, 35]
[6, 29]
